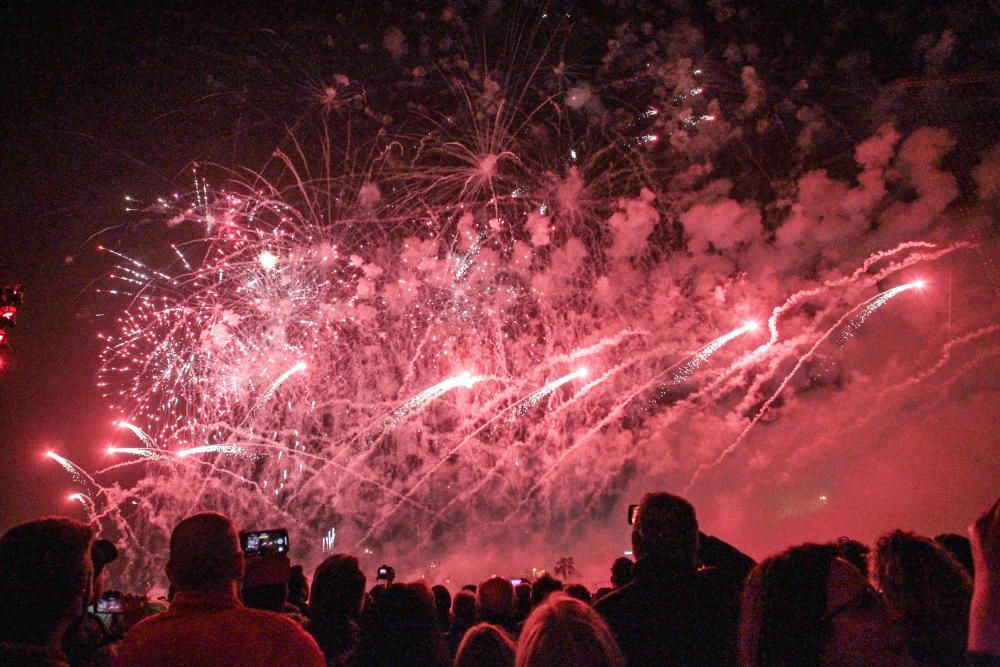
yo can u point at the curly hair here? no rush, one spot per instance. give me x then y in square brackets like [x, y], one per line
[928, 592]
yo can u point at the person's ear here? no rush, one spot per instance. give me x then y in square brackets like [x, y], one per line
[637, 543]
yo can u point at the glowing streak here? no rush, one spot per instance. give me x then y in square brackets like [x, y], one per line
[86, 501]
[683, 371]
[871, 260]
[136, 451]
[142, 435]
[214, 449]
[297, 368]
[537, 396]
[702, 355]
[466, 262]
[464, 379]
[877, 301]
[78, 475]
[329, 539]
[183, 258]
[866, 312]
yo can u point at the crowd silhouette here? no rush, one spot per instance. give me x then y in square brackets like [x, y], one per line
[687, 599]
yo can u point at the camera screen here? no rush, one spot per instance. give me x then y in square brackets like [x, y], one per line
[265, 542]
[111, 605]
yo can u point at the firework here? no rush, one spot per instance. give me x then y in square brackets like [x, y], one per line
[487, 315]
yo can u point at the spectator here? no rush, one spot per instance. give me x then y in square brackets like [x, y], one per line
[928, 593]
[88, 640]
[335, 603]
[45, 579]
[402, 630]
[579, 592]
[206, 623]
[442, 604]
[495, 599]
[807, 606]
[542, 587]
[959, 547]
[522, 602]
[298, 588]
[672, 612]
[564, 632]
[854, 552]
[621, 572]
[265, 585]
[463, 617]
[485, 645]
[984, 614]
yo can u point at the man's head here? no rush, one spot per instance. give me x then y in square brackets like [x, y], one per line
[496, 598]
[666, 527]
[621, 571]
[205, 554]
[45, 576]
[338, 588]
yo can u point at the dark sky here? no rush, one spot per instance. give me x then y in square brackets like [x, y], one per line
[97, 104]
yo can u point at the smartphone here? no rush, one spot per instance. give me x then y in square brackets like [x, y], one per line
[109, 603]
[517, 582]
[262, 542]
[633, 512]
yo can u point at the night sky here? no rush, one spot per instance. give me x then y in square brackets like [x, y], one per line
[100, 104]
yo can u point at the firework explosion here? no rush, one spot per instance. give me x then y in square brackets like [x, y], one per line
[440, 347]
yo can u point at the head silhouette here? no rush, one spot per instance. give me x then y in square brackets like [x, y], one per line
[205, 554]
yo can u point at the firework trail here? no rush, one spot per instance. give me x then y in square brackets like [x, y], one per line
[142, 435]
[532, 400]
[877, 301]
[79, 476]
[679, 375]
[87, 503]
[297, 368]
[848, 332]
[464, 379]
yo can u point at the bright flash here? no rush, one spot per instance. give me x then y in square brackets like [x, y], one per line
[268, 260]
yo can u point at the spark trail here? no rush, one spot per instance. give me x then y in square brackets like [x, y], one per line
[297, 368]
[464, 379]
[534, 398]
[700, 357]
[873, 304]
[142, 435]
[79, 476]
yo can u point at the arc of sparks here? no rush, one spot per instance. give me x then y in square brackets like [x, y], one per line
[538, 395]
[464, 379]
[695, 360]
[877, 301]
[266, 396]
[142, 435]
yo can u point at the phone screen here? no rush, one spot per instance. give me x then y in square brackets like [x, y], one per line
[261, 542]
[109, 605]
